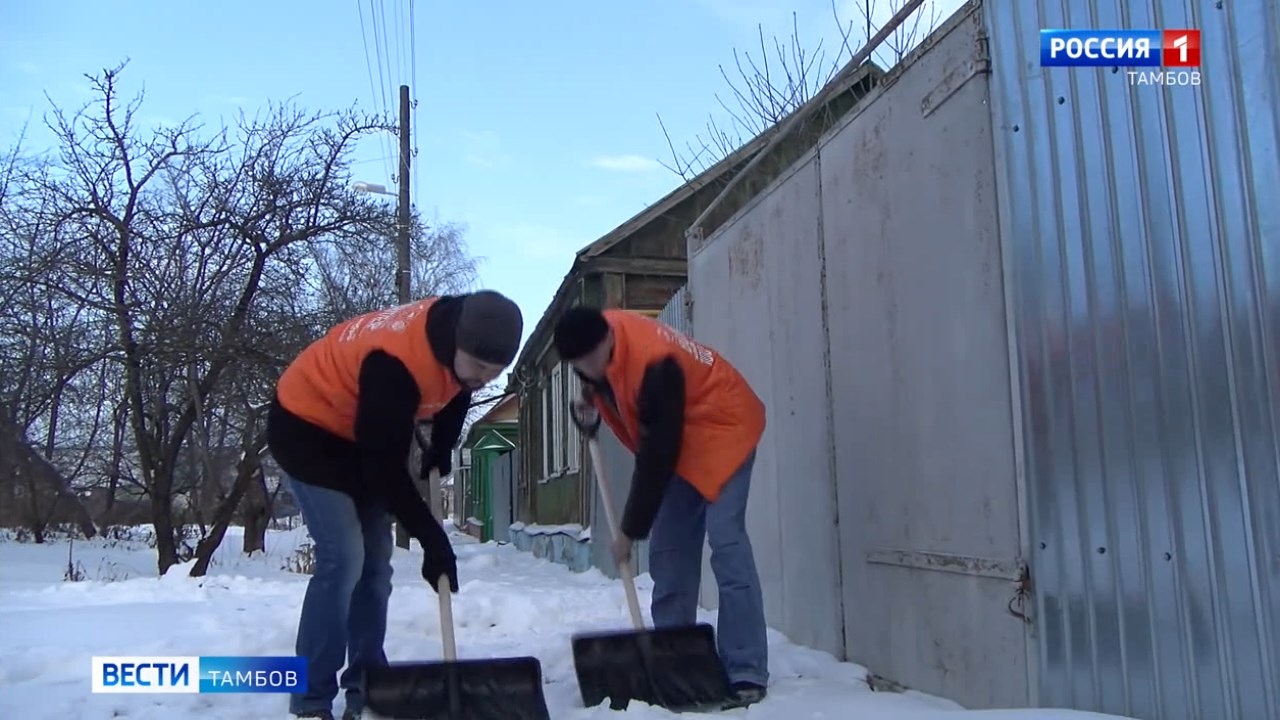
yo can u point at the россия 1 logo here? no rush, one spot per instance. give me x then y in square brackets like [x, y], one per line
[1174, 54]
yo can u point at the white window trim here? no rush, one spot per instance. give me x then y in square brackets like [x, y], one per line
[574, 439]
[561, 441]
[546, 434]
[557, 419]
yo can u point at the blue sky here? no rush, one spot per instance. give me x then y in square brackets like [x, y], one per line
[536, 125]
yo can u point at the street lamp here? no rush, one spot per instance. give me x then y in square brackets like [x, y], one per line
[372, 188]
[402, 228]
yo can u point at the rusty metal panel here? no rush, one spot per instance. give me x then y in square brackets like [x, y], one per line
[920, 384]
[1142, 233]
[757, 299]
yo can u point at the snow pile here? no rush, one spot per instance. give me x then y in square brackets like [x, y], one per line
[573, 530]
[510, 604]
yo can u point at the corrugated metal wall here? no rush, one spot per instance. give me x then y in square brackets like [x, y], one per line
[677, 312]
[1141, 226]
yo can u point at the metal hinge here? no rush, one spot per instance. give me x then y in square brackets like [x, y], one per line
[1022, 594]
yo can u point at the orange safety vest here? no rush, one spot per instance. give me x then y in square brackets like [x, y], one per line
[321, 386]
[724, 419]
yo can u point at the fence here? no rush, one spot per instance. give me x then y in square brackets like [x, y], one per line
[1021, 419]
[1147, 313]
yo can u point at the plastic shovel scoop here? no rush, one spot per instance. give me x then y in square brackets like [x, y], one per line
[677, 668]
[452, 689]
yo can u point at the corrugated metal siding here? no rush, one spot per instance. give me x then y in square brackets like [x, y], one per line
[677, 312]
[1142, 233]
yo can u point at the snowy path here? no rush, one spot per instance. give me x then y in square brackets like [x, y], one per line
[510, 604]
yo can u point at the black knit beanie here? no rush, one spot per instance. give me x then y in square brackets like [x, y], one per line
[489, 327]
[579, 331]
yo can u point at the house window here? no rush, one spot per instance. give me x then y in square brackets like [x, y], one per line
[561, 441]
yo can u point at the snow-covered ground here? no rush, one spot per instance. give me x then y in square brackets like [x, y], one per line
[510, 604]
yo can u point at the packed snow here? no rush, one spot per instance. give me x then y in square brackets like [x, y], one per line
[509, 604]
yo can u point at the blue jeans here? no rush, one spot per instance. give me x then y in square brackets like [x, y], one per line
[684, 519]
[344, 613]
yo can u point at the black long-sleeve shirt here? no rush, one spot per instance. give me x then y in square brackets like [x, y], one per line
[660, 410]
[374, 468]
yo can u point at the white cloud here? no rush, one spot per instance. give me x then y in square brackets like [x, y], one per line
[626, 163]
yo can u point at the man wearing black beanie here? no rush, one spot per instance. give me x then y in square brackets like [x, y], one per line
[693, 422]
[340, 427]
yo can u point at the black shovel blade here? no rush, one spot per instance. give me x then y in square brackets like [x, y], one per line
[677, 668]
[494, 689]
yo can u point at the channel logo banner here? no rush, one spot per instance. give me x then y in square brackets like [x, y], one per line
[202, 674]
[253, 674]
[1120, 48]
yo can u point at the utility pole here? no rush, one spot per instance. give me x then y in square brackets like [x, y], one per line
[403, 236]
[434, 498]
[403, 276]
[402, 211]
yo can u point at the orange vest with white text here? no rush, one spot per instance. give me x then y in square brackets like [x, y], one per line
[724, 419]
[321, 386]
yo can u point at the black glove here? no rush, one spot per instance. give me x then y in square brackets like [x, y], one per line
[442, 461]
[438, 560]
[584, 414]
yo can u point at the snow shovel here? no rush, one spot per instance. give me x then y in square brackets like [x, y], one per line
[496, 689]
[677, 668]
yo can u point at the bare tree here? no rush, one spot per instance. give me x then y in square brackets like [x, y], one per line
[772, 81]
[357, 277]
[904, 38]
[184, 269]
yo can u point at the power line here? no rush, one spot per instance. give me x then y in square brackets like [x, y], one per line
[399, 27]
[379, 42]
[373, 87]
[393, 72]
[413, 83]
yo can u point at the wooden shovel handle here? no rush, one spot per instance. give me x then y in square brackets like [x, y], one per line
[624, 568]
[446, 619]
[445, 597]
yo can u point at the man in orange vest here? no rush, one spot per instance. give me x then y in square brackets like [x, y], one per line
[693, 423]
[340, 427]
